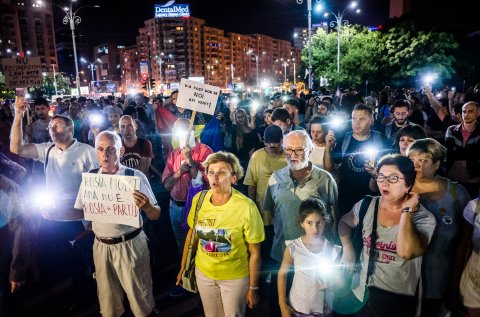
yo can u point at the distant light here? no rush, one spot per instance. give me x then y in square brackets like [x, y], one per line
[354, 4]
[295, 35]
[264, 84]
[325, 14]
[429, 78]
[318, 8]
[9, 50]
[28, 52]
[358, 11]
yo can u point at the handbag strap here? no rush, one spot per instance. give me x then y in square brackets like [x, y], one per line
[373, 239]
[197, 208]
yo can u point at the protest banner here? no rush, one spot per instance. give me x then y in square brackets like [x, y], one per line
[196, 96]
[22, 72]
[108, 198]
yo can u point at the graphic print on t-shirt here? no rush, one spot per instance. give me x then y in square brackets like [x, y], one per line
[215, 240]
[385, 252]
[356, 161]
[131, 159]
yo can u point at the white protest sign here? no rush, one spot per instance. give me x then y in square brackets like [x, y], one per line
[108, 198]
[22, 72]
[197, 96]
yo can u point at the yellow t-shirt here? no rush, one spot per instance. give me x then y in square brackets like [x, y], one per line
[223, 233]
[260, 168]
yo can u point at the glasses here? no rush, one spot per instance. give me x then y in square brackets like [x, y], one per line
[298, 152]
[220, 174]
[392, 178]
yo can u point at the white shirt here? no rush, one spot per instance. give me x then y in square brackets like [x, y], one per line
[65, 168]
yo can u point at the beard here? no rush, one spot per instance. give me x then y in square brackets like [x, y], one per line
[296, 166]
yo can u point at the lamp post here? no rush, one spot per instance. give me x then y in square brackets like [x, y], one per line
[256, 63]
[72, 18]
[285, 64]
[159, 59]
[309, 9]
[54, 79]
[339, 20]
[91, 65]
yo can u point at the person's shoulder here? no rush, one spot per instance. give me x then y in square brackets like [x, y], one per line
[258, 154]
[205, 148]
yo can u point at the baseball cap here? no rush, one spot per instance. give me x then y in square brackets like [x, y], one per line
[272, 134]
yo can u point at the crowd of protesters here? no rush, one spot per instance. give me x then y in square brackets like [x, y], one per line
[368, 204]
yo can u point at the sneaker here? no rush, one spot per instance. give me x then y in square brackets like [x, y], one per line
[177, 291]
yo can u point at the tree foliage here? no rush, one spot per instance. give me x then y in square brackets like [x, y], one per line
[399, 55]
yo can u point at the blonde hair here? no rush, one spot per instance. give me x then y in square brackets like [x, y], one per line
[428, 146]
[225, 157]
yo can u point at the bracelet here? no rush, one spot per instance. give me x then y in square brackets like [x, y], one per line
[254, 288]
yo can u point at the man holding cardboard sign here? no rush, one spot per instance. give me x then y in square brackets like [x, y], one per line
[120, 251]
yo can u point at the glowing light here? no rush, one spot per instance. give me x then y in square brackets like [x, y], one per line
[284, 98]
[265, 84]
[42, 199]
[324, 267]
[28, 96]
[429, 78]
[95, 119]
[132, 91]
[336, 122]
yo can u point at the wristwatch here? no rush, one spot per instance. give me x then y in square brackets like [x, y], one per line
[409, 210]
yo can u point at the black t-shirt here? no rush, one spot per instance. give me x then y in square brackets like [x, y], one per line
[354, 180]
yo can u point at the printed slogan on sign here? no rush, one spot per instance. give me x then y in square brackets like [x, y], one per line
[197, 96]
[108, 198]
[22, 72]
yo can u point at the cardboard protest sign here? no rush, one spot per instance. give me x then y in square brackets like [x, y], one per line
[197, 96]
[22, 72]
[108, 198]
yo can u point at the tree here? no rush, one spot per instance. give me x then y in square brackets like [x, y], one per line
[63, 84]
[410, 53]
[397, 56]
[360, 55]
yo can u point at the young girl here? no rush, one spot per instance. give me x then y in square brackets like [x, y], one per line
[312, 256]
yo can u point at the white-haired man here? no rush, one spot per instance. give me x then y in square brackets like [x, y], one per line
[287, 188]
[120, 252]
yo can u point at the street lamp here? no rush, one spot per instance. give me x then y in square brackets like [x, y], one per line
[309, 8]
[91, 65]
[159, 59]
[72, 18]
[338, 23]
[250, 52]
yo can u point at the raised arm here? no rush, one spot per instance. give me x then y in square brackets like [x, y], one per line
[327, 157]
[16, 136]
[410, 242]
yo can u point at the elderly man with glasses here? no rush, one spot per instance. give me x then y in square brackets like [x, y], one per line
[288, 187]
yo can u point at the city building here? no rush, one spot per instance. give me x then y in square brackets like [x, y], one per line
[175, 48]
[108, 67]
[27, 27]
[300, 35]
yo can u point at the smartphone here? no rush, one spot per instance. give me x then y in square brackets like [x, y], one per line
[20, 92]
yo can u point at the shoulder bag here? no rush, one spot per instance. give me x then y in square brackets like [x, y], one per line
[188, 276]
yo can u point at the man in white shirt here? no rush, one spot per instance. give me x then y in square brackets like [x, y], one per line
[120, 252]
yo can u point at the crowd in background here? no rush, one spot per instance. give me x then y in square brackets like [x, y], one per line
[293, 170]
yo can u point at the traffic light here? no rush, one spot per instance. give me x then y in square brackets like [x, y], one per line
[144, 84]
[152, 83]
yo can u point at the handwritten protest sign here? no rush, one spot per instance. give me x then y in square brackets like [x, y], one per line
[22, 72]
[197, 96]
[108, 198]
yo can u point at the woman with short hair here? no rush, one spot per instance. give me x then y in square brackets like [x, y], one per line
[446, 200]
[399, 229]
[228, 233]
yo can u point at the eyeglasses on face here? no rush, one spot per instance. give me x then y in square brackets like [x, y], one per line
[296, 151]
[392, 178]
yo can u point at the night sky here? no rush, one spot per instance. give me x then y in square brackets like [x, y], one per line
[120, 20]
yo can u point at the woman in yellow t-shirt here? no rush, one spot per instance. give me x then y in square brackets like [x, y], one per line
[228, 231]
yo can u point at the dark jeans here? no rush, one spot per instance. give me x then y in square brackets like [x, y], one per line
[381, 303]
[431, 307]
